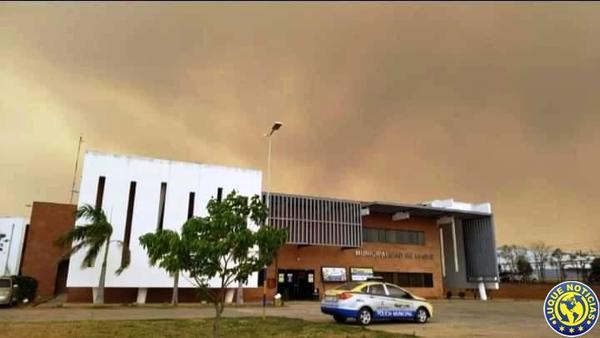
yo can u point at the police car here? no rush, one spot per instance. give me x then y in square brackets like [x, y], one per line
[374, 300]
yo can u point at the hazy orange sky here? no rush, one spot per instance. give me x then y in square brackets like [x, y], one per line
[397, 102]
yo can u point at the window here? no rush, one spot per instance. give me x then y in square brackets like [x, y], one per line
[394, 236]
[376, 289]
[191, 205]
[129, 219]
[261, 276]
[408, 279]
[396, 292]
[100, 192]
[219, 194]
[161, 205]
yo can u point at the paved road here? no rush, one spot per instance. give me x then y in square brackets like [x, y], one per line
[458, 318]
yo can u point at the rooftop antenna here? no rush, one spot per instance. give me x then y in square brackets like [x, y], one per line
[73, 191]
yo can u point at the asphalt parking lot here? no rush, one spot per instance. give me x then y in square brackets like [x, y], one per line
[456, 318]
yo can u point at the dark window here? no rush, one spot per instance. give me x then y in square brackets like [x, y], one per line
[408, 279]
[129, 218]
[261, 276]
[100, 192]
[161, 205]
[394, 236]
[219, 194]
[191, 205]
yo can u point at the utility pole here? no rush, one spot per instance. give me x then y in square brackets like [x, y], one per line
[75, 171]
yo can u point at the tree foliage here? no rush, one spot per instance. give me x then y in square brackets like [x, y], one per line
[166, 249]
[524, 267]
[219, 246]
[93, 236]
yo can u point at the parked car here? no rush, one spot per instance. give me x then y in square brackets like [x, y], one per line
[374, 300]
[8, 294]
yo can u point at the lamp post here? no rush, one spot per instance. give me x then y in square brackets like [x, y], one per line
[276, 126]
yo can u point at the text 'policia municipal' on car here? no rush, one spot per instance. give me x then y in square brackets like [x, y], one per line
[374, 300]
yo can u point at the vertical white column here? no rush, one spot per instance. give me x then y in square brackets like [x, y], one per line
[141, 295]
[442, 254]
[482, 293]
[454, 245]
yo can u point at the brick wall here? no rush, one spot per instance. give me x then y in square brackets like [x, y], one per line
[41, 257]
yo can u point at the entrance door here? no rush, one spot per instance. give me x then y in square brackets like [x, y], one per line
[296, 284]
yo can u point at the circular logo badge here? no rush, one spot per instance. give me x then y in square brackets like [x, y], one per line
[571, 309]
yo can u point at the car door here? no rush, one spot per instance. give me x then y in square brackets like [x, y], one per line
[376, 299]
[399, 303]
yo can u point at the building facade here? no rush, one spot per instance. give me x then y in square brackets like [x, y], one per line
[426, 247]
[12, 238]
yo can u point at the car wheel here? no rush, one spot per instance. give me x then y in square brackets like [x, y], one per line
[421, 316]
[364, 316]
[339, 319]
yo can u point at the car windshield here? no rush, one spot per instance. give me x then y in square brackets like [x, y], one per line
[4, 283]
[348, 286]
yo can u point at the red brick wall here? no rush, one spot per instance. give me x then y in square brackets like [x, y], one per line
[314, 257]
[41, 258]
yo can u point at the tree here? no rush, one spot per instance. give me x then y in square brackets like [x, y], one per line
[166, 248]
[92, 237]
[510, 254]
[222, 246]
[524, 267]
[581, 259]
[557, 260]
[541, 255]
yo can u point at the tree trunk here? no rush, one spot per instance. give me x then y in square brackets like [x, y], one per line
[175, 299]
[216, 322]
[219, 307]
[100, 295]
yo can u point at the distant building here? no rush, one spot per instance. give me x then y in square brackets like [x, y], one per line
[12, 237]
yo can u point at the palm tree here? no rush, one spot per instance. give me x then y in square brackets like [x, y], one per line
[93, 236]
[166, 249]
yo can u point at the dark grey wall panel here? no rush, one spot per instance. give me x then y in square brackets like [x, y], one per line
[480, 249]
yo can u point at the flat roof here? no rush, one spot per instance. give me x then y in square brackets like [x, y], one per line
[421, 210]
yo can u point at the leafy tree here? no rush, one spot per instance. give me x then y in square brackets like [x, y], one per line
[524, 267]
[166, 248]
[93, 236]
[222, 246]
[541, 255]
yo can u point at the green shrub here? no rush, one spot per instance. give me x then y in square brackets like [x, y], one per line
[27, 288]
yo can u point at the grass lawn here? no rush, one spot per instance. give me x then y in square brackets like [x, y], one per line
[230, 327]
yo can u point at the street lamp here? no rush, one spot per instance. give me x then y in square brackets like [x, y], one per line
[274, 128]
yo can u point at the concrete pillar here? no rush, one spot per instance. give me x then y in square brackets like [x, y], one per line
[141, 295]
[482, 293]
[94, 293]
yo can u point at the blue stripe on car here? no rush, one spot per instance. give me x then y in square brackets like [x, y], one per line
[348, 313]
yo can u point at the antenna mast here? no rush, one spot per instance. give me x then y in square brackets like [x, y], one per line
[76, 167]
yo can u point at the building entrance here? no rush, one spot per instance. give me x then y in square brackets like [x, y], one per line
[296, 284]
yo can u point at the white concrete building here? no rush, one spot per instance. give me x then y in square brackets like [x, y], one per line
[140, 195]
[12, 239]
